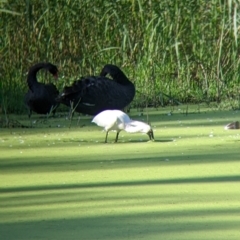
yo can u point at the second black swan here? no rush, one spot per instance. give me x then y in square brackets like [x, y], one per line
[94, 94]
[41, 98]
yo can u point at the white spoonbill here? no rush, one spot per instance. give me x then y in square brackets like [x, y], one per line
[118, 121]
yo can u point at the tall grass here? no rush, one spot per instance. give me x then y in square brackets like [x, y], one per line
[186, 49]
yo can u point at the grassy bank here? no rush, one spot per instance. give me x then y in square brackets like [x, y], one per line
[188, 50]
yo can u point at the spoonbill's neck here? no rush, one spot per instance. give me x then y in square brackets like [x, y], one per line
[136, 126]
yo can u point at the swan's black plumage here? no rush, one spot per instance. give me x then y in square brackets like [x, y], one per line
[94, 94]
[41, 98]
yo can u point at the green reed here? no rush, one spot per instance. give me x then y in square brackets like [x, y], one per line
[188, 50]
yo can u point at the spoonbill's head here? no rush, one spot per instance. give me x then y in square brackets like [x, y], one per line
[137, 126]
[150, 134]
[146, 129]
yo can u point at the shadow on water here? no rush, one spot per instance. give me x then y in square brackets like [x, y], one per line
[80, 162]
[192, 180]
[160, 224]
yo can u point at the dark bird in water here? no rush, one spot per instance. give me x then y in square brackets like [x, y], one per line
[94, 94]
[233, 125]
[41, 98]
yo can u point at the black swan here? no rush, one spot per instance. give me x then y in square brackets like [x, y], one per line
[41, 98]
[94, 94]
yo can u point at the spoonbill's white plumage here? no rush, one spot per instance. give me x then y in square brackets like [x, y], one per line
[117, 120]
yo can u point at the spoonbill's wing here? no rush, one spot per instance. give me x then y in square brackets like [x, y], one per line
[122, 116]
[105, 119]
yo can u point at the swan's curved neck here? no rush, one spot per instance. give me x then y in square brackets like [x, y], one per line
[121, 78]
[116, 74]
[32, 74]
